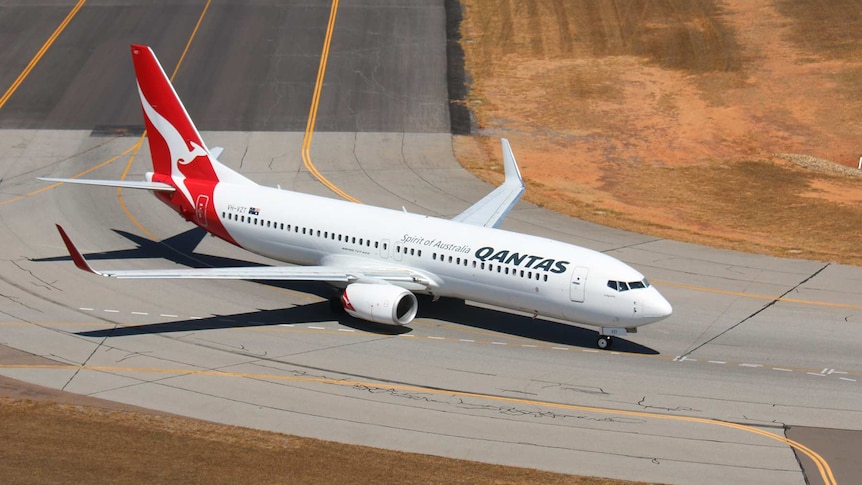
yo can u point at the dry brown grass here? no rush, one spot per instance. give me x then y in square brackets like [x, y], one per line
[49, 442]
[662, 116]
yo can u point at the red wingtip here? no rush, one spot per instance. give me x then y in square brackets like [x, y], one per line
[76, 255]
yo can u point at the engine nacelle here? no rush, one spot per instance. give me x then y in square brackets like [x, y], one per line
[380, 303]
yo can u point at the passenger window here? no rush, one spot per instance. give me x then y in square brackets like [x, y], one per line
[545, 277]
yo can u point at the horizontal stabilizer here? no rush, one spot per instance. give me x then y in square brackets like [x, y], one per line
[215, 152]
[155, 186]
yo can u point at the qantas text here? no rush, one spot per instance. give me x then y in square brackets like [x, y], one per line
[507, 257]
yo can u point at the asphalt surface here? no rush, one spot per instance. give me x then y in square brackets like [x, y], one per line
[252, 66]
[463, 380]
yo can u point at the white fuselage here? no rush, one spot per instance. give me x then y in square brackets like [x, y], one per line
[493, 266]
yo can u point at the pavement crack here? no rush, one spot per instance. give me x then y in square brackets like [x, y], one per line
[633, 245]
[642, 403]
[758, 312]
[45, 284]
[242, 159]
[15, 299]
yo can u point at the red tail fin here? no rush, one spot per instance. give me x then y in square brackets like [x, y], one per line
[180, 157]
[175, 144]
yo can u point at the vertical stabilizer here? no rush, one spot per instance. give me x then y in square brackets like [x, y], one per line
[180, 158]
[177, 149]
[175, 143]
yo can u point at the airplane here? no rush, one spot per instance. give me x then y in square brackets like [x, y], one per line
[378, 259]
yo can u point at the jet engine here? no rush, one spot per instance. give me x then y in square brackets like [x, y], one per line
[380, 303]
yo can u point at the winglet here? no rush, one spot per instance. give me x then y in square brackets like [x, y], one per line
[513, 174]
[76, 255]
[494, 207]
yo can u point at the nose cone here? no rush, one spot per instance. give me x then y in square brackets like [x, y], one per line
[655, 307]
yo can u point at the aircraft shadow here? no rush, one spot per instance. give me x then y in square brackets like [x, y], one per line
[457, 311]
[454, 311]
[180, 249]
[308, 313]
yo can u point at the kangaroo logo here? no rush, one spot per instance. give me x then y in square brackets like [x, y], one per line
[177, 145]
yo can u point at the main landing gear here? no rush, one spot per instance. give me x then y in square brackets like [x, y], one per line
[604, 342]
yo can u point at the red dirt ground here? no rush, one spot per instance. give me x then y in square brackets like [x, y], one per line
[665, 117]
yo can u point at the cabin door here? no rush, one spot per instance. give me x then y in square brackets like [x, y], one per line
[201, 209]
[579, 284]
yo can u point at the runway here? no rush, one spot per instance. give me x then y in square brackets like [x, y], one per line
[755, 345]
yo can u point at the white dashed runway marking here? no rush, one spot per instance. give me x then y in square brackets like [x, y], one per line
[825, 372]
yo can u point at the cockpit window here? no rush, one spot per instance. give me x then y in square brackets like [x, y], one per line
[626, 286]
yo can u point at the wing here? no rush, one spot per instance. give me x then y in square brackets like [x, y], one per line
[494, 207]
[348, 274]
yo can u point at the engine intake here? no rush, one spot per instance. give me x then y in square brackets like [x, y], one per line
[380, 303]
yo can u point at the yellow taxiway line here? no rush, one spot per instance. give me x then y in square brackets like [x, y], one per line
[312, 113]
[38, 56]
[822, 466]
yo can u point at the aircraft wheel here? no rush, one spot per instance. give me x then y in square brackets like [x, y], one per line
[604, 342]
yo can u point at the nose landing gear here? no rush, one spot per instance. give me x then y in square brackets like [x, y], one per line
[605, 333]
[604, 342]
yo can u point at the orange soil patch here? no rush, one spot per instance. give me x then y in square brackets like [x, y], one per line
[654, 115]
